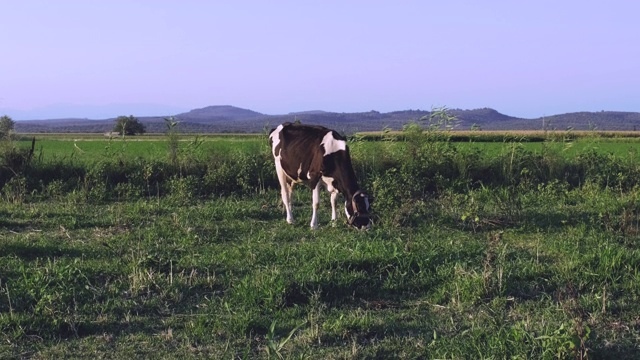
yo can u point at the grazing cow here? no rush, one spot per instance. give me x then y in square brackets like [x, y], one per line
[315, 155]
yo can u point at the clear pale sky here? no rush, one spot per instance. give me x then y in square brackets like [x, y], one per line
[97, 59]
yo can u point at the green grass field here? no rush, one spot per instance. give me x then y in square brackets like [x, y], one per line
[96, 148]
[538, 264]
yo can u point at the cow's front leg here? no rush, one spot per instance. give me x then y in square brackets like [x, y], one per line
[334, 213]
[314, 206]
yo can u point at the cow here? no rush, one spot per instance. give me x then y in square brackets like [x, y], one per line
[315, 156]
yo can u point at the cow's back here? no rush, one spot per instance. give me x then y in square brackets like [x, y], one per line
[300, 150]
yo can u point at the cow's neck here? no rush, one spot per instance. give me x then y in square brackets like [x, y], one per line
[348, 186]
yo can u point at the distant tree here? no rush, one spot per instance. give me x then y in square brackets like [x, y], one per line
[6, 126]
[128, 125]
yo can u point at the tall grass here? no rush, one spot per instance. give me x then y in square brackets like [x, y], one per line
[402, 176]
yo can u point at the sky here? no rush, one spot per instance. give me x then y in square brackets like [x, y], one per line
[100, 59]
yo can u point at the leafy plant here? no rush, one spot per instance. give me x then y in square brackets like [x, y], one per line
[274, 346]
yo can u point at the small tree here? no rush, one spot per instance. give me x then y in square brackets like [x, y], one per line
[128, 125]
[6, 126]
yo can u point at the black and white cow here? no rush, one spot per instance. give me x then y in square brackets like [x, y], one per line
[315, 155]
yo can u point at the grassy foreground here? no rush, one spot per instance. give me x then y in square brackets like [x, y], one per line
[180, 250]
[228, 278]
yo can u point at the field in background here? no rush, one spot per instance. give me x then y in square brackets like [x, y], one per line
[523, 135]
[516, 249]
[95, 147]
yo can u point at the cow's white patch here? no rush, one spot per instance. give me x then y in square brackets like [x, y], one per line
[329, 182]
[300, 171]
[332, 145]
[275, 139]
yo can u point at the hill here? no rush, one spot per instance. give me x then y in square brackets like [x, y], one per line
[230, 119]
[218, 113]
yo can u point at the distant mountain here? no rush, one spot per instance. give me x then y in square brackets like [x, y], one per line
[218, 113]
[481, 117]
[230, 119]
[603, 120]
[312, 112]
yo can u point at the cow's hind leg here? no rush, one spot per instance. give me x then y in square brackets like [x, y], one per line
[286, 189]
[314, 206]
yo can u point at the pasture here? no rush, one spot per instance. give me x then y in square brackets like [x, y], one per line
[480, 250]
[94, 147]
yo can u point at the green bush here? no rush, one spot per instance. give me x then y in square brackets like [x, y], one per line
[13, 160]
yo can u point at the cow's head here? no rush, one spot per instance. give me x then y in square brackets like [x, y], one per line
[358, 210]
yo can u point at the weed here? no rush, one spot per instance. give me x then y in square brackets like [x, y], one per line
[274, 346]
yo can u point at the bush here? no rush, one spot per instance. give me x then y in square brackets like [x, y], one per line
[13, 160]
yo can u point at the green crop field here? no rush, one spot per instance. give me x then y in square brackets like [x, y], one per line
[94, 148]
[153, 249]
[83, 147]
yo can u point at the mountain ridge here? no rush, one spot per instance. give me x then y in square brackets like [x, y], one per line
[230, 119]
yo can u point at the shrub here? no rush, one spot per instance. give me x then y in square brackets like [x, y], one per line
[182, 189]
[13, 160]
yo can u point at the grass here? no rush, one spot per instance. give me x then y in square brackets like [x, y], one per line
[95, 149]
[619, 147]
[228, 278]
[511, 135]
[527, 268]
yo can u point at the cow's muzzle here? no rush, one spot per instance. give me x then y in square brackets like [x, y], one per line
[362, 222]
[360, 219]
